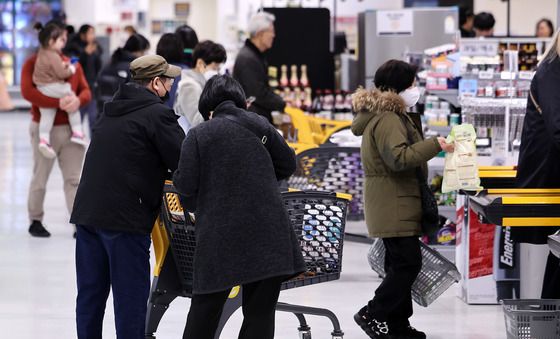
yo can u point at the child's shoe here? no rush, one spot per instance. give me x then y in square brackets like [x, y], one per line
[46, 149]
[78, 138]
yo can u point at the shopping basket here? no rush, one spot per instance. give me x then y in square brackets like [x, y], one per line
[532, 318]
[333, 169]
[318, 218]
[436, 276]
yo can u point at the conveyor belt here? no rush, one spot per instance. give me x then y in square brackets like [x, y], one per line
[518, 207]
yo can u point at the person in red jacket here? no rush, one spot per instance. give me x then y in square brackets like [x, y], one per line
[70, 155]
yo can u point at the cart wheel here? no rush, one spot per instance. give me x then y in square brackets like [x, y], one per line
[337, 334]
[304, 334]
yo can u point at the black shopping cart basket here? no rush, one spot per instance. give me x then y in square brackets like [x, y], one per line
[318, 219]
[332, 169]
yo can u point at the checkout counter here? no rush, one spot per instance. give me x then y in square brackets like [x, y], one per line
[492, 265]
[500, 206]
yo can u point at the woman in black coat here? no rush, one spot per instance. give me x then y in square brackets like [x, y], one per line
[539, 154]
[228, 176]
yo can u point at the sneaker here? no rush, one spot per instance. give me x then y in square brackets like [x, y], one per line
[36, 229]
[46, 149]
[408, 332]
[78, 138]
[374, 329]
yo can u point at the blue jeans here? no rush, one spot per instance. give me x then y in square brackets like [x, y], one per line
[117, 260]
[90, 110]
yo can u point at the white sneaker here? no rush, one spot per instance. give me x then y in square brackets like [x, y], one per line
[46, 149]
[79, 138]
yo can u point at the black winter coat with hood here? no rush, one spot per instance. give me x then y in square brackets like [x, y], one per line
[539, 154]
[135, 144]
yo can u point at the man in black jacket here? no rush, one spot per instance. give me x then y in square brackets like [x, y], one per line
[135, 144]
[251, 67]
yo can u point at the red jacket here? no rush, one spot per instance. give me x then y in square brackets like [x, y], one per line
[77, 81]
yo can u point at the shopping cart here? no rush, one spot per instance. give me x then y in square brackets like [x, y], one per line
[532, 318]
[318, 219]
[436, 276]
[334, 169]
[314, 130]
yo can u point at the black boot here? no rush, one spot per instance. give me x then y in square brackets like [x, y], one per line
[37, 229]
[373, 328]
[406, 331]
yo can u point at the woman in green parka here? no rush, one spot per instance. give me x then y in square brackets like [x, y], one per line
[392, 149]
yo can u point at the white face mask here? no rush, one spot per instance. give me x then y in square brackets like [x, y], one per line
[410, 96]
[209, 73]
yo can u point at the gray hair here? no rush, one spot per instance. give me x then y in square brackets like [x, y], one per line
[553, 51]
[260, 22]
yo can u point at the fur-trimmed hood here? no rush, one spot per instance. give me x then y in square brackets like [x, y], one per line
[368, 103]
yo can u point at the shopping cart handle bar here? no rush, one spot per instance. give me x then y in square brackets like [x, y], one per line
[344, 196]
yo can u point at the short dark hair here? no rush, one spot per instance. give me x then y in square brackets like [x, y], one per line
[548, 23]
[52, 30]
[209, 52]
[70, 30]
[189, 38]
[218, 89]
[84, 29]
[395, 75]
[136, 43]
[464, 14]
[484, 21]
[170, 47]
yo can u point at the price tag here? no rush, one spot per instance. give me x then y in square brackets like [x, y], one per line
[526, 75]
[486, 75]
[507, 76]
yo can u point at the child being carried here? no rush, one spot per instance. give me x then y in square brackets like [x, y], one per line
[50, 75]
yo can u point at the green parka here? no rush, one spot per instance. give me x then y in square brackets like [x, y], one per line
[391, 190]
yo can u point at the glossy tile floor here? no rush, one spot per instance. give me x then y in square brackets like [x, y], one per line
[37, 276]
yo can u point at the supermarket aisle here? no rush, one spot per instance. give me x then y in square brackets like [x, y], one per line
[38, 276]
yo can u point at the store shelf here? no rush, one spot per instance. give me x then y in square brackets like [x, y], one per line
[449, 95]
[448, 212]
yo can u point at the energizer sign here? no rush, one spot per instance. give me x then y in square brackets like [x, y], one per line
[506, 248]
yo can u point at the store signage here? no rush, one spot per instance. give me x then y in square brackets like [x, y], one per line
[182, 9]
[473, 47]
[395, 22]
[507, 248]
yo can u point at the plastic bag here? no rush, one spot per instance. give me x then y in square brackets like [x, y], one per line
[461, 169]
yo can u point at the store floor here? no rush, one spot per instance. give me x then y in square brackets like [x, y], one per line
[38, 289]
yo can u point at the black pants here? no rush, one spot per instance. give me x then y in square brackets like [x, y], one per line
[259, 306]
[112, 260]
[551, 284]
[393, 300]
